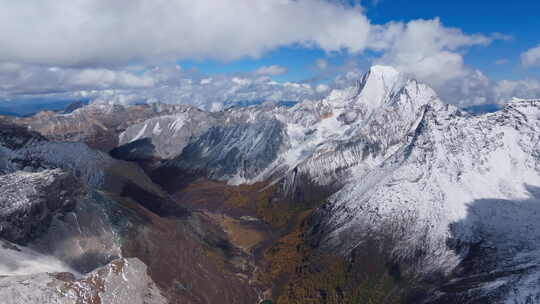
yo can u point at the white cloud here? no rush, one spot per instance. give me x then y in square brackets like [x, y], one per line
[242, 81]
[102, 32]
[347, 78]
[222, 91]
[206, 80]
[96, 47]
[321, 88]
[321, 64]
[166, 84]
[19, 78]
[531, 58]
[425, 49]
[433, 53]
[501, 61]
[272, 70]
[504, 90]
[104, 78]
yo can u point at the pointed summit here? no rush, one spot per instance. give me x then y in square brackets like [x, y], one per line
[377, 85]
[384, 71]
[384, 86]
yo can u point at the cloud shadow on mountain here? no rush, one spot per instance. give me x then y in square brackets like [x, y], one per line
[500, 252]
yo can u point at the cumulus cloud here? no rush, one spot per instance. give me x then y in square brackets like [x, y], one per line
[109, 49]
[425, 49]
[272, 70]
[433, 53]
[322, 88]
[220, 93]
[29, 79]
[525, 88]
[531, 58]
[103, 32]
[166, 83]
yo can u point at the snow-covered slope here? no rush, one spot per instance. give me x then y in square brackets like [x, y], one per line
[459, 180]
[19, 260]
[169, 133]
[363, 123]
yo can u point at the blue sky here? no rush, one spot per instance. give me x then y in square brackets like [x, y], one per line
[209, 52]
[520, 19]
[499, 60]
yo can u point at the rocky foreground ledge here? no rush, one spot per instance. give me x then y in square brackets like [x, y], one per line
[121, 281]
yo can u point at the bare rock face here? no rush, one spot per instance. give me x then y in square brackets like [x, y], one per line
[100, 227]
[54, 214]
[15, 137]
[122, 281]
[49, 222]
[29, 202]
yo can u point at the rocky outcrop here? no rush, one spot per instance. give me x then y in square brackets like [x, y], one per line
[122, 281]
[13, 137]
[50, 221]
[30, 201]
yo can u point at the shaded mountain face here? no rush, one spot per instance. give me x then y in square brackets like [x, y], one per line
[378, 193]
[104, 232]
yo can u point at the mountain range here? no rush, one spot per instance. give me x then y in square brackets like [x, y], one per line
[378, 193]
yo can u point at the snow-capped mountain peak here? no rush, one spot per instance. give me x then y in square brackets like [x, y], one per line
[370, 91]
[377, 112]
[377, 85]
